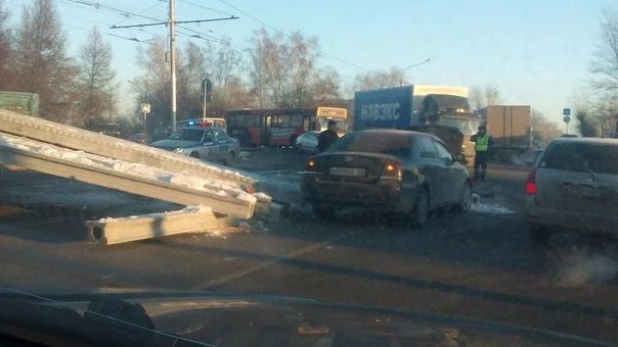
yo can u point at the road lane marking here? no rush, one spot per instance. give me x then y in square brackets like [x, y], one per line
[260, 266]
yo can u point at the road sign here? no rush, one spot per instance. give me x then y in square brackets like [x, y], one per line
[145, 107]
[566, 112]
[206, 86]
[566, 119]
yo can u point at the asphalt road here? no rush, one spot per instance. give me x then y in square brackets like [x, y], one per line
[480, 264]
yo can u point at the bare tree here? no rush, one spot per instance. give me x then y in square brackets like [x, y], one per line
[7, 78]
[42, 64]
[326, 84]
[268, 70]
[543, 130]
[379, 79]
[587, 124]
[97, 78]
[481, 98]
[229, 91]
[191, 72]
[605, 62]
[301, 60]
[153, 85]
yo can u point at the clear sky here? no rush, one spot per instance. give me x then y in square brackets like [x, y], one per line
[536, 52]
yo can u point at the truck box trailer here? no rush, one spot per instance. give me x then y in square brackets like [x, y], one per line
[509, 125]
[415, 106]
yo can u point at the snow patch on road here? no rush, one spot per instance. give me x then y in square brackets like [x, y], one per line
[218, 187]
[490, 209]
[581, 269]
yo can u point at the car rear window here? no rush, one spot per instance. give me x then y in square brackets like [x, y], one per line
[398, 145]
[600, 158]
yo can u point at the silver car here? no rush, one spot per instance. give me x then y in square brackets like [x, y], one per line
[212, 144]
[308, 142]
[573, 185]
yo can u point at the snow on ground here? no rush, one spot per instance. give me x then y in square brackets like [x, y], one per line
[579, 269]
[490, 209]
[218, 187]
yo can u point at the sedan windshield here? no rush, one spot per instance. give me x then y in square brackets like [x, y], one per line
[194, 135]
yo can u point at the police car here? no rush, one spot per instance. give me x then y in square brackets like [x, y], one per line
[203, 142]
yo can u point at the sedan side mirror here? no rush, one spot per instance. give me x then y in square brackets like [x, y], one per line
[459, 158]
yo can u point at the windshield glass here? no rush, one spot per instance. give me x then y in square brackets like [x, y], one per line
[194, 135]
[466, 126]
[582, 157]
[341, 123]
[111, 184]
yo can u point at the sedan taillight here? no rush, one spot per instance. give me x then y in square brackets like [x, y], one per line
[531, 183]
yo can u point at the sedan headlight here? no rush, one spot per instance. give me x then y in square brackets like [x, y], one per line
[179, 150]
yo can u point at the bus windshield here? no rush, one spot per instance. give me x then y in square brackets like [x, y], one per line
[341, 123]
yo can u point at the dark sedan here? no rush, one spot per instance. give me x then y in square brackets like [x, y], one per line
[401, 172]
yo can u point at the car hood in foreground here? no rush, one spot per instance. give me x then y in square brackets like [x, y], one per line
[194, 319]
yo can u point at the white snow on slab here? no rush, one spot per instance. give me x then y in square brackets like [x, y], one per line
[188, 209]
[490, 209]
[218, 187]
[39, 124]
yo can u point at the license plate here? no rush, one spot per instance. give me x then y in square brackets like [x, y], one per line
[347, 171]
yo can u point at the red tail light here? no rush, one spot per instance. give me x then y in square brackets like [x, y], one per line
[530, 183]
[310, 164]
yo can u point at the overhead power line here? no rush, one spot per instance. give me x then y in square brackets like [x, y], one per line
[172, 23]
[205, 7]
[283, 33]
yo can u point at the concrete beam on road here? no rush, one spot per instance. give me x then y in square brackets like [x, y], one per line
[194, 219]
[109, 178]
[90, 142]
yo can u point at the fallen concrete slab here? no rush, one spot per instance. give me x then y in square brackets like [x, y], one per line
[128, 177]
[90, 142]
[193, 219]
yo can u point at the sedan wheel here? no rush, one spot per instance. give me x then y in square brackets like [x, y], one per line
[466, 199]
[194, 155]
[420, 212]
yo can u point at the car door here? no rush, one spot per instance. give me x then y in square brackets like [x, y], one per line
[221, 144]
[208, 145]
[432, 168]
[310, 142]
[451, 183]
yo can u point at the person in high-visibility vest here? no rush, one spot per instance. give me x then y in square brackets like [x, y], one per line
[483, 143]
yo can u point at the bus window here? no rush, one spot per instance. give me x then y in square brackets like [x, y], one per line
[296, 120]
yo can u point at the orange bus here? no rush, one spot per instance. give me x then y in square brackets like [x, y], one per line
[281, 127]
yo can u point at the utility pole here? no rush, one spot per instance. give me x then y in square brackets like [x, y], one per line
[173, 60]
[172, 22]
